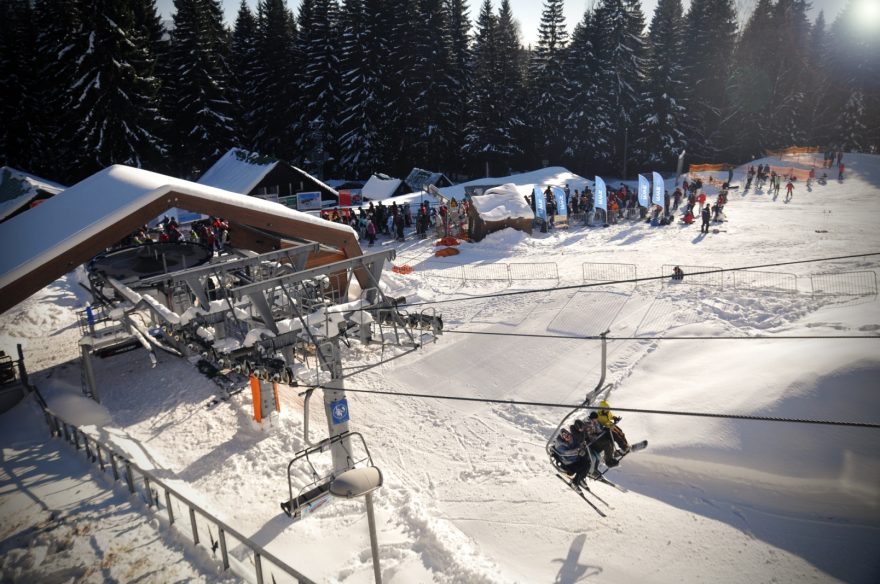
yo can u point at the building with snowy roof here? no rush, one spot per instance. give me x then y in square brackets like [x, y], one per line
[249, 173]
[20, 191]
[381, 187]
[83, 220]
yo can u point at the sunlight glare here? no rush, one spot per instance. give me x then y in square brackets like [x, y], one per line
[867, 13]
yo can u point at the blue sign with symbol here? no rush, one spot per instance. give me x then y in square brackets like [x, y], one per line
[339, 411]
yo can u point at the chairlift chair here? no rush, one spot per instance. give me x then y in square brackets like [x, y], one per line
[338, 482]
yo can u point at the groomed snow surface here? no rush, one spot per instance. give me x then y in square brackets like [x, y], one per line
[469, 495]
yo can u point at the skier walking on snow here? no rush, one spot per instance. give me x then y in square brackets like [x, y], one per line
[789, 191]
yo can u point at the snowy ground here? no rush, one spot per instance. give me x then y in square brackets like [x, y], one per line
[469, 495]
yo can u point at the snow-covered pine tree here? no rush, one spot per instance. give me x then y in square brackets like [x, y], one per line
[59, 21]
[153, 37]
[789, 75]
[817, 122]
[364, 58]
[403, 23]
[514, 134]
[622, 54]
[113, 102]
[461, 63]
[197, 86]
[852, 130]
[711, 38]
[483, 122]
[590, 117]
[751, 84]
[431, 124]
[17, 92]
[662, 107]
[546, 85]
[854, 67]
[244, 84]
[319, 84]
[277, 96]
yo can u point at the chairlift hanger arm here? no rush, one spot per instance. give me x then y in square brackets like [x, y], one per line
[297, 255]
[365, 261]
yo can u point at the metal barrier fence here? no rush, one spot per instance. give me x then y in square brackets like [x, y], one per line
[844, 284]
[539, 271]
[767, 281]
[487, 272]
[148, 487]
[599, 272]
[716, 278]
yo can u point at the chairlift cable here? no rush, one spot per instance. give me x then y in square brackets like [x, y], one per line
[583, 406]
[636, 280]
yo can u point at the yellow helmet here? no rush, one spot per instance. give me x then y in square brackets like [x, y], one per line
[604, 405]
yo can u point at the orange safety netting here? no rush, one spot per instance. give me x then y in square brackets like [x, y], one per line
[792, 151]
[404, 269]
[708, 167]
[789, 172]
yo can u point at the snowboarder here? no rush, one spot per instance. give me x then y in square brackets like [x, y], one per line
[707, 216]
[609, 420]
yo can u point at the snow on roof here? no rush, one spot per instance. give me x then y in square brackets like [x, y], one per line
[238, 171]
[321, 183]
[31, 239]
[418, 178]
[502, 202]
[378, 189]
[553, 175]
[18, 188]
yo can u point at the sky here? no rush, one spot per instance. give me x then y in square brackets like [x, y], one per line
[528, 12]
[469, 493]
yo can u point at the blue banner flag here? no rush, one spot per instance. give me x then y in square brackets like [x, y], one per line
[600, 199]
[559, 195]
[644, 190]
[659, 189]
[540, 204]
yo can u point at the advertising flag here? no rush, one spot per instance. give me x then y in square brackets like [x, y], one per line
[601, 200]
[540, 204]
[644, 191]
[659, 189]
[559, 195]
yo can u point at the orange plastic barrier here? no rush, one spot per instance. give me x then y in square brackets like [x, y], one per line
[404, 269]
[446, 251]
[447, 241]
[255, 392]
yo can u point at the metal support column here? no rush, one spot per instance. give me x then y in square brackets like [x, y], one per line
[90, 372]
[336, 408]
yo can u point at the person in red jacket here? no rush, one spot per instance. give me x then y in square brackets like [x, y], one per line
[840, 170]
[789, 191]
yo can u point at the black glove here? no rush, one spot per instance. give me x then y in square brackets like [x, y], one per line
[617, 419]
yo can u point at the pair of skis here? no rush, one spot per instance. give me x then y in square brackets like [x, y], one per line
[602, 479]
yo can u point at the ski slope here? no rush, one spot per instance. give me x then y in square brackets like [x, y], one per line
[469, 495]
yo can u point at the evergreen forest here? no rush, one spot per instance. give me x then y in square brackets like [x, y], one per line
[346, 88]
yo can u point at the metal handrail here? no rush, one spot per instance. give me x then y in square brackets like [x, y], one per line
[59, 426]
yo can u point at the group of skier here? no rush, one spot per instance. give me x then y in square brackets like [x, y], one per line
[580, 448]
